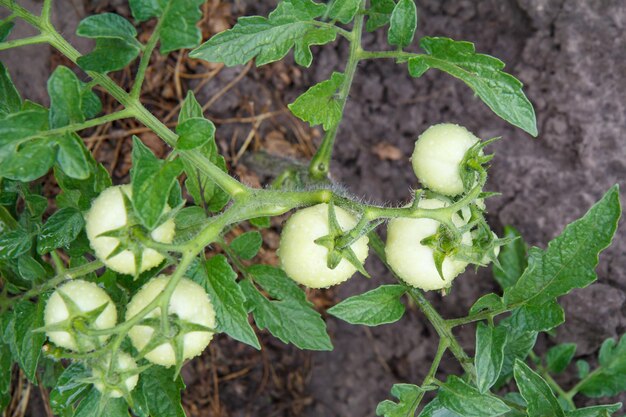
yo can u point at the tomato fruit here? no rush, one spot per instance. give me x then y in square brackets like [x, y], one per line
[85, 297]
[306, 261]
[189, 303]
[107, 213]
[412, 261]
[437, 157]
[109, 383]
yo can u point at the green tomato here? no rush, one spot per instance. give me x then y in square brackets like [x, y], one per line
[111, 385]
[414, 262]
[304, 260]
[437, 157]
[107, 213]
[189, 303]
[87, 296]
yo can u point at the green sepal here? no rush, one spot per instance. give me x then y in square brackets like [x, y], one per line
[337, 249]
[439, 257]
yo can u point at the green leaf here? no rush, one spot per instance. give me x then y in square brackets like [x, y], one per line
[539, 397]
[290, 317]
[247, 245]
[402, 24]
[10, 100]
[69, 388]
[5, 29]
[560, 356]
[143, 10]
[582, 368]
[518, 345]
[343, 10]
[190, 108]
[25, 344]
[179, 25]
[318, 36]
[417, 67]
[458, 396]
[595, 411]
[407, 395]
[201, 187]
[538, 318]
[60, 230]
[89, 406]
[179, 19]
[188, 221]
[30, 269]
[65, 91]
[261, 222]
[36, 204]
[512, 259]
[379, 14]
[23, 124]
[489, 302]
[94, 405]
[610, 378]
[71, 156]
[483, 74]
[116, 45]
[373, 308]
[490, 342]
[91, 105]
[14, 243]
[571, 258]
[435, 409]
[162, 391]
[152, 181]
[267, 39]
[6, 372]
[28, 162]
[79, 193]
[320, 104]
[220, 282]
[194, 132]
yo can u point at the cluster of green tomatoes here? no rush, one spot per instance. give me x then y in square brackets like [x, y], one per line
[80, 316]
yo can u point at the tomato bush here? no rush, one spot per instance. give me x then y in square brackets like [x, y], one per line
[159, 250]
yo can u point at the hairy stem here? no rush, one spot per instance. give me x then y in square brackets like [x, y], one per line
[65, 275]
[440, 325]
[145, 59]
[32, 40]
[76, 127]
[320, 164]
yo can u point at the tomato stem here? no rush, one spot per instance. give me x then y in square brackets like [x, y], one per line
[319, 166]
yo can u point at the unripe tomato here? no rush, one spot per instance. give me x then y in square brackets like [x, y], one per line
[87, 296]
[107, 213]
[304, 260]
[437, 157]
[414, 262]
[189, 303]
[124, 362]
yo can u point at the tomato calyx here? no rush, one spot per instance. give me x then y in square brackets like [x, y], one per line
[444, 243]
[339, 244]
[80, 325]
[115, 379]
[475, 162]
[173, 334]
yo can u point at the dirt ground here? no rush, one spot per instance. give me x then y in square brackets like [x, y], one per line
[570, 54]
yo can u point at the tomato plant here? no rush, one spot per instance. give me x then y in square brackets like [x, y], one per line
[149, 249]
